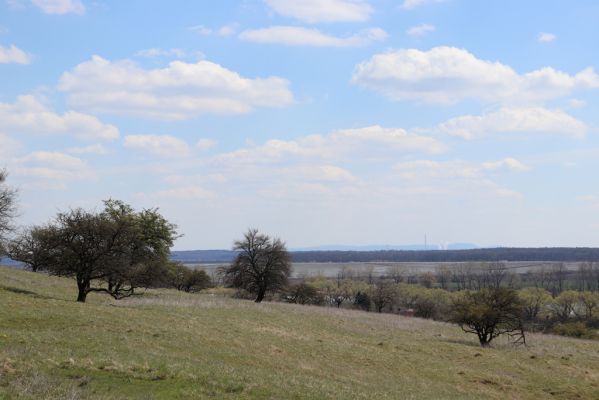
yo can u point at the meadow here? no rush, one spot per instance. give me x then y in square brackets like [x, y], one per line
[166, 344]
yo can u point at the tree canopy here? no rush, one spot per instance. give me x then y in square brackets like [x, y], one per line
[262, 264]
[118, 248]
[489, 313]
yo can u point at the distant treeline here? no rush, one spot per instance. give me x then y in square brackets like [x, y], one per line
[494, 254]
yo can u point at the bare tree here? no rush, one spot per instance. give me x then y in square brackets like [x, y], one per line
[558, 278]
[7, 209]
[262, 265]
[395, 272]
[443, 276]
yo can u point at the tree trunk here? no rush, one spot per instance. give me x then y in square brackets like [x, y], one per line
[82, 286]
[261, 294]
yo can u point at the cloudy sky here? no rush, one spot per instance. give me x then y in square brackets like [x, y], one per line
[319, 121]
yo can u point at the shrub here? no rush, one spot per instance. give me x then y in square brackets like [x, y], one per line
[303, 293]
[575, 329]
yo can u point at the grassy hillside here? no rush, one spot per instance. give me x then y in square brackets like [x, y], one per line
[167, 345]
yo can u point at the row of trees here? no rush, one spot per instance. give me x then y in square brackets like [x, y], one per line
[554, 277]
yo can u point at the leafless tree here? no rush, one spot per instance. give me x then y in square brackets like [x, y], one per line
[395, 272]
[262, 265]
[558, 278]
[7, 209]
[443, 276]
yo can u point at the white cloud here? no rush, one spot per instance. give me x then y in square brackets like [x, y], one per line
[29, 115]
[330, 173]
[52, 165]
[545, 37]
[420, 169]
[590, 199]
[179, 91]
[13, 55]
[576, 103]
[299, 36]
[8, 146]
[412, 4]
[205, 144]
[373, 141]
[451, 177]
[448, 75]
[536, 120]
[161, 145]
[507, 163]
[225, 30]
[60, 6]
[313, 11]
[420, 30]
[91, 149]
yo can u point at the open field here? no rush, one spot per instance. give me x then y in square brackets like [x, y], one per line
[168, 345]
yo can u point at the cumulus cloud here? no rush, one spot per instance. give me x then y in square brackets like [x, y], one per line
[29, 115]
[225, 30]
[161, 145]
[205, 144]
[420, 30]
[373, 141]
[299, 36]
[449, 176]
[313, 11]
[54, 166]
[8, 146]
[448, 75]
[535, 120]
[13, 55]
[97, 149]
[507, 163]
[545, 37]
[60, 6]
[179, 91]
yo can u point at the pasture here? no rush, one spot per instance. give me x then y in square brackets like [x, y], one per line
[169, 345]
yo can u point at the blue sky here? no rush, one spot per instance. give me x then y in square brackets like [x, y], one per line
[319, 121]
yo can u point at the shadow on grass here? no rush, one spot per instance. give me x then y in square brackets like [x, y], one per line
[24, 291]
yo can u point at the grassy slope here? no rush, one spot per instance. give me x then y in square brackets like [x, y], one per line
[170, 345]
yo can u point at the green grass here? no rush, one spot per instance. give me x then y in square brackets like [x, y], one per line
[168, 345]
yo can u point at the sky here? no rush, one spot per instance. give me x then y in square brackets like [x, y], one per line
[322, 122]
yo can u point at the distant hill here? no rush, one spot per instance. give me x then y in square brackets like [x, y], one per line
[571, 254]
[375, 247]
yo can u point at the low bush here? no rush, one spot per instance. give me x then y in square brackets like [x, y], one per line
[575, 329]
